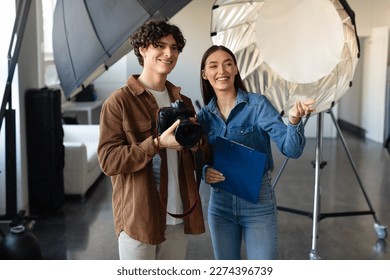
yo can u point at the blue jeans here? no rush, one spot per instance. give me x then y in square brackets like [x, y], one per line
[232, 219]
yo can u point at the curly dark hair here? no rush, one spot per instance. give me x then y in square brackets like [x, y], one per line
[151, 32]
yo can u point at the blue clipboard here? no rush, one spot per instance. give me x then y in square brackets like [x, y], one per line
[242, 166]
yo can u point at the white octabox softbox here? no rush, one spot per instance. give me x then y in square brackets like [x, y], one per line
[290, 49]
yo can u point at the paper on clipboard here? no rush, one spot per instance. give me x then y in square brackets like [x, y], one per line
[243, 168]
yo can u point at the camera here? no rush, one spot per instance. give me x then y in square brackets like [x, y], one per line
[187, 133]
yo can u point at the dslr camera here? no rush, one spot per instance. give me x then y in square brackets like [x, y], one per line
[187, 133]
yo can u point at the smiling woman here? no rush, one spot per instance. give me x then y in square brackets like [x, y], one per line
[249, 119]
[220, 70]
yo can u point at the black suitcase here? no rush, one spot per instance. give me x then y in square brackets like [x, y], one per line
[45, 150]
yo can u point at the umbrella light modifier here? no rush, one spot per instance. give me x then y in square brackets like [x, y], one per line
[89, 36]
[292, 50]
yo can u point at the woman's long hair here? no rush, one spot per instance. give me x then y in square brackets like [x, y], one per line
[207, 90]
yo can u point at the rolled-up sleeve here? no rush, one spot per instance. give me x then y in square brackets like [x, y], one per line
[295, 140]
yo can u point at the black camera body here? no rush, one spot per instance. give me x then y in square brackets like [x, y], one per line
[187, 133]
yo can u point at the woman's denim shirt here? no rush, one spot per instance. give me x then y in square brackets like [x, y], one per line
[253, 122]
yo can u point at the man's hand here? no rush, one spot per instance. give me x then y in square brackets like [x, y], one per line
[167, 138]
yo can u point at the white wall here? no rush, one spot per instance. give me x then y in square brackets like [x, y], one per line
[113, 78]
[374, 84]
[364, 105]
[370, 14]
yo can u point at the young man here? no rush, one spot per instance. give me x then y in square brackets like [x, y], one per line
[151, 174]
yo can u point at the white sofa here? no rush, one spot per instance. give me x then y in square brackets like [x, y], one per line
[82, 168]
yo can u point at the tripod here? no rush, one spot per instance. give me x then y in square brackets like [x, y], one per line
[316, 215]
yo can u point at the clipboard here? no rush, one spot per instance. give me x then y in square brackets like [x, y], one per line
[242, 166]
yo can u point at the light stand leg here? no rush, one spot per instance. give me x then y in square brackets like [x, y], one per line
[317, 192]
[380, 229]
[316, 215]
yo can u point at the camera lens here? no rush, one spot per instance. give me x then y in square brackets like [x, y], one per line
[188, 134]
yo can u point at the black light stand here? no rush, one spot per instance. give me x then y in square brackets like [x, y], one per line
[316, 215]
[8, 113]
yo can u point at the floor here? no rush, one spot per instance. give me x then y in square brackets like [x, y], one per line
[84, 229]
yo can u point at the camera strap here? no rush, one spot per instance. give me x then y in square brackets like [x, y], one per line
[187, 174]
[186, 213]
